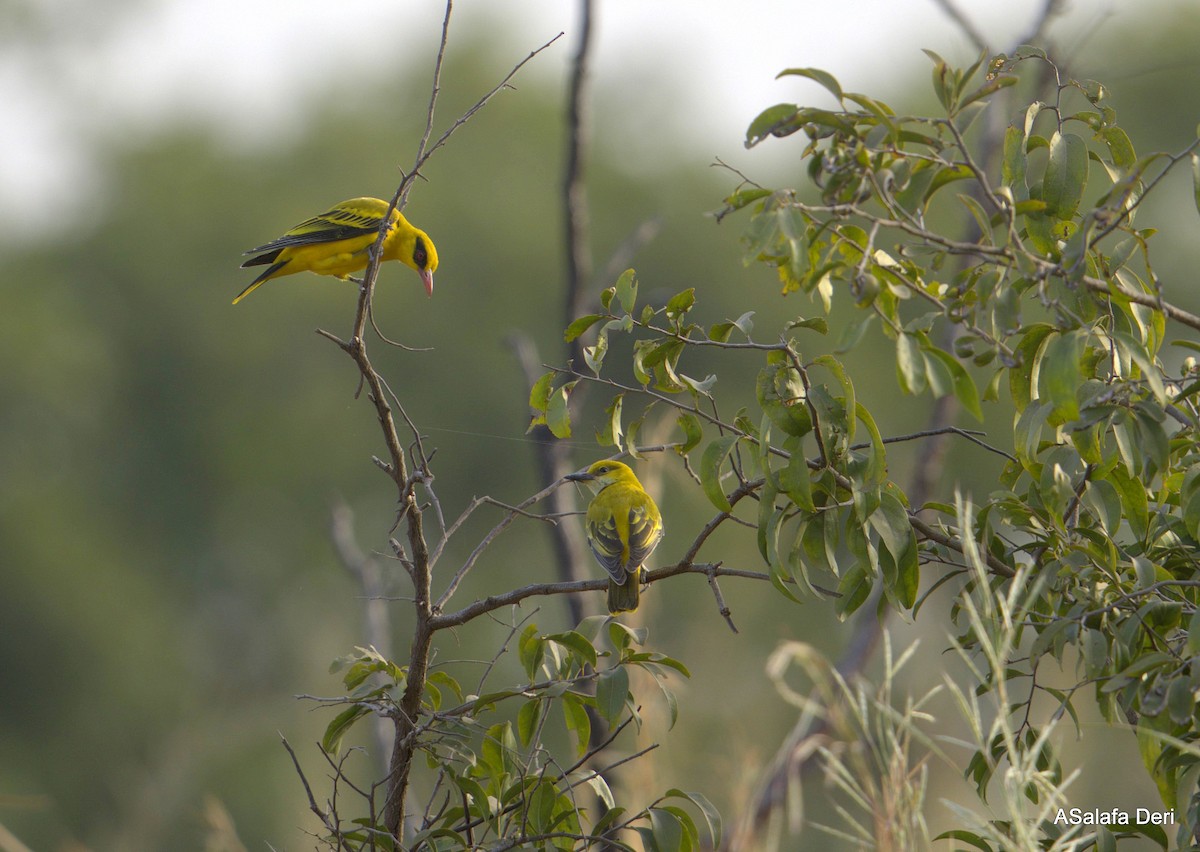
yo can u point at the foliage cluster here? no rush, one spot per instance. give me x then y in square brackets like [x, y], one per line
[1047, 296]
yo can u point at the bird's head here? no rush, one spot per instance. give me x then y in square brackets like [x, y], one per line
[413, 247]
[603, 474]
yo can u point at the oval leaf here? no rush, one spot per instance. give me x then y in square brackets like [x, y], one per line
[710, 470]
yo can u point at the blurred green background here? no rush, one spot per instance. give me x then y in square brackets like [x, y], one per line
[168, 463]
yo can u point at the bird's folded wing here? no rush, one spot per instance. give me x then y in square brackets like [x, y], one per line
[645, 529]
[336, 224]
[606, 545]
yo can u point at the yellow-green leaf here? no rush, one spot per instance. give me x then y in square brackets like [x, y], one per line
[710, 470]
[1066, 174]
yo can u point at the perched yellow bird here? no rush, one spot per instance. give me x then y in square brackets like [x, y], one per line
[623, 528]
[337, 243]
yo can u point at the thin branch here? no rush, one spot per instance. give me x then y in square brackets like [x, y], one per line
[486, 541]
[456, 618]
[331, 824]
[721, 605]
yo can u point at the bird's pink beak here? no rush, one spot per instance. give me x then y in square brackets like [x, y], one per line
[427, 278]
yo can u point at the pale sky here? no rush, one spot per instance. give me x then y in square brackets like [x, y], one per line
[241, 64]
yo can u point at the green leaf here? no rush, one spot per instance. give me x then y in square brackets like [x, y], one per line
[1119, 146]
[1028, 352]
[541, 804]
[794, 477]
[606, 297]
[819, 542]
[942, 81]
[1102, 499]
[710, 470]
[653, 659]
[741, 198]
[594, 355]
[947, 175]
[693, 432]
[528, 718]
[497, 749]
[1061, 374]
[778, 120]
[331, 742]
[577, 644]
[539, 395]
[780, 393]
[1093, 90]
[853, 590]
[443, 679]
[558, 412]
[681, 303]
[576, 717]
[1193, 639]
[901, 573]
[623, 636]
[1149, 371]
[1027, 434]
[817, 324]
[1196, 179]
[712, 817]
[579, 326]
[666, 831]
[768, 521]
[823, 77]
[1133, 498]
[1189, 500]
[910, 367]
[478, 799]
[612, 687]
[982, 221]
[965, 390]
[531, 649]
[849, 399]
[612, 432]
[627, 289]
[721, 332]
[1066, 175]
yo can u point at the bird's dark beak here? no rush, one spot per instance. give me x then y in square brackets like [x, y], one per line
[427, 278]
[582, 476]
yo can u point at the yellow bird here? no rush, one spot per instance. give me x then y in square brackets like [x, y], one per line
[337, 243]
[623, 528]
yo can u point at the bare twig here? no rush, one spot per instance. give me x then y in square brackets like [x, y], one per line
[721, 606]
[486, 541]
[327, 820]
